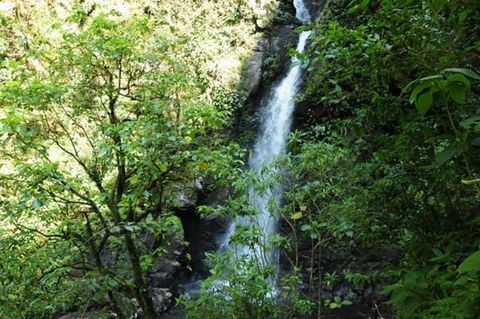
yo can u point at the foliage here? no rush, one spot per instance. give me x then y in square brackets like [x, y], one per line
[369, 172]
[244, 285]
[244, 293]
[408, 178]
[111, 113]
[102, 130]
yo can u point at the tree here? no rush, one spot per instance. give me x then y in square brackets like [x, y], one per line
[99, 134]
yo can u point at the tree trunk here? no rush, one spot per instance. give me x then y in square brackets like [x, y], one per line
[98, 263]
[141, 287]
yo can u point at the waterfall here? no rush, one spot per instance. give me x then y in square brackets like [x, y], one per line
[275, 126]
[302, 12]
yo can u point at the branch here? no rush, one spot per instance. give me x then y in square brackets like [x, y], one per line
[33, 230]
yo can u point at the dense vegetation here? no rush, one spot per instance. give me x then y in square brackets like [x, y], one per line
[110, 116]
[105, 126]
[390, 160]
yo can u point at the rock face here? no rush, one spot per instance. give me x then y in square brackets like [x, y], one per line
[186, 196]
[253, 73]
[316, 7]
[162, 299]
[281, 40]
[163, 270]
[268, 59]
[202, 234]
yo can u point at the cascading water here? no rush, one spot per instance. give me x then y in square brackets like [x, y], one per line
[272, 141]
[302, 12]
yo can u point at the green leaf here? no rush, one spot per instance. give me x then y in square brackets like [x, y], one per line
[424, 101]
[471, 264]
[347, 303]
[37, 204]
[470, 121]
[457, 92]
[297, 215]
[146, 261]
[430, 78]
[423, 87]
[422, 96]
[457, 87]
[334, 305]
[306, 227]
[470, 181]
[426, 80]
[466, 72]
[149, 219]
[361, 7]
[133, 179]
[445, 155]
[459, 78]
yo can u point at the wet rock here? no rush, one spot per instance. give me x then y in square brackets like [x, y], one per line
[316, 8]
[175, 313]
[217, 197]
[203, 235]
[160, 278]
[279, 41]
[186, 196]
[164, 269]
[253, 70]
[162, 299]
[269, 59]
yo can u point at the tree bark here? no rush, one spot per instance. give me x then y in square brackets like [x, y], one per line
[141, 287]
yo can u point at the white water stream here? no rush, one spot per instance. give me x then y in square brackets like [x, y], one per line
[272, 140]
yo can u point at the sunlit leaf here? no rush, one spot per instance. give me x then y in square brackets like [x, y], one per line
[297, 215]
